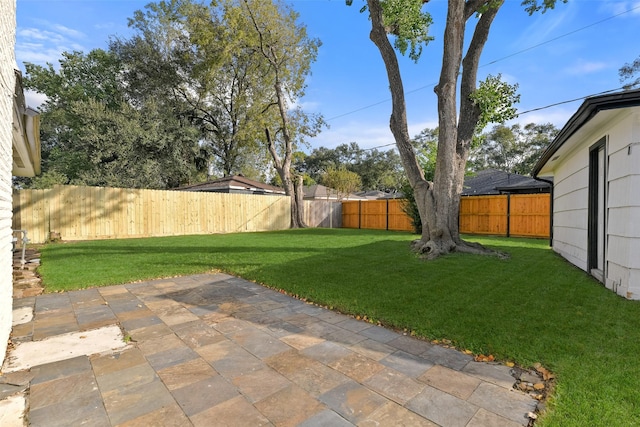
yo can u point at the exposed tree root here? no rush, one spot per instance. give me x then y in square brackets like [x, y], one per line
[433, 249]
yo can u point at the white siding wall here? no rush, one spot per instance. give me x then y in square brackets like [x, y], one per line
[571, 197]
[623, 231]
[7, 90]
[570, 203]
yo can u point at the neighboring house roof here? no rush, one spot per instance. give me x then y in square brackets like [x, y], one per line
[320, 192]
[378, 195]
[234, 184]
[26, 135]
[594, 110]
[493, 181]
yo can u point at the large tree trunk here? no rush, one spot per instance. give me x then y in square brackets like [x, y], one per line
[423, 189]
[439, 201]
[291, 189]
[299, 204]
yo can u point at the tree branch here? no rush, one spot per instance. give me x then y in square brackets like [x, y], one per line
[469, 112]
[271, 146]
[473, 6]
[398, 121]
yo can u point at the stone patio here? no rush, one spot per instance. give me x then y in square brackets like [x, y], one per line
[213, 349]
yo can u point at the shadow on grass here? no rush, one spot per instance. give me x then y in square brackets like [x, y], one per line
[532, 307]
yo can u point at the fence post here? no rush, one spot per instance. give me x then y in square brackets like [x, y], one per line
[387, 214]
[359, 214]
[508, 214]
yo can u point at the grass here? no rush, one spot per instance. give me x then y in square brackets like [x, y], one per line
[533, 307]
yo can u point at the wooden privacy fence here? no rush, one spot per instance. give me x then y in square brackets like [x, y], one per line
[88, 213]
[375, 214]
[526, 215]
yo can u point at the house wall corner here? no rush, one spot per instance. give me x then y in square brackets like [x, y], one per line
[7, 92]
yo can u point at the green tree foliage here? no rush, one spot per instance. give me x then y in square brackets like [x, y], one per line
[93, 135]
[512, 148]
[134, 148]
[408, 23]
[425, 145]
[378, 170]
[496, 101]
[189, 55]
[630, 73]
[284, 52]
[80, 77]
[190, 92]
[342, 180]
[410, 207]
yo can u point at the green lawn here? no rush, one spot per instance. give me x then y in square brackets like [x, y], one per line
[532, 307]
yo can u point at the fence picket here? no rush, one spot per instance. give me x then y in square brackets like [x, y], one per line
[87, 213]
[528, 215]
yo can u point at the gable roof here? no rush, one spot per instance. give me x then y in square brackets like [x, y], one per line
[587, 111]
[233, 183]
[493, 181]
[379, 195]
[317, 191]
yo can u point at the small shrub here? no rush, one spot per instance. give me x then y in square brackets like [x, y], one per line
[410, 207]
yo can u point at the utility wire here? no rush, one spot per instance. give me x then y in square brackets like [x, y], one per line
[527, 111]
[569, 101]
[502, 59]
[562, 36]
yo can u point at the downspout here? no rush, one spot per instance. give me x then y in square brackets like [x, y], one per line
[550, 208]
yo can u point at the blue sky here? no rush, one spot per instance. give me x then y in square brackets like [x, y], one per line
[567, 53]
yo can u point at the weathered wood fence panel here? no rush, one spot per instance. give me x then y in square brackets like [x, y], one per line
[525, 215]
[323, 213]
[375, 214]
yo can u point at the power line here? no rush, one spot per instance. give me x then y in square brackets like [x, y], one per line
[379, 146]
[499, 60]
[569, 101]
[562, 36]
[555, 104]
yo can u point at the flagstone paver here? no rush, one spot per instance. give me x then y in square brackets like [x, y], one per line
[213, 349]
[453, 382]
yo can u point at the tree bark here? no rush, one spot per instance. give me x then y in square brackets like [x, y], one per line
[282, 164]
[439, 201]
[398, 122]
[295, 192]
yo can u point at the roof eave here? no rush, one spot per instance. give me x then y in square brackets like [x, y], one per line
[589, 108]
[26, 135]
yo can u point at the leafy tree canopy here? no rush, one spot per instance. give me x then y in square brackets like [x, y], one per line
[378, 170]
[342, 180]
[630, 73]
[190, 93]
[92, 135]
[513, 148]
